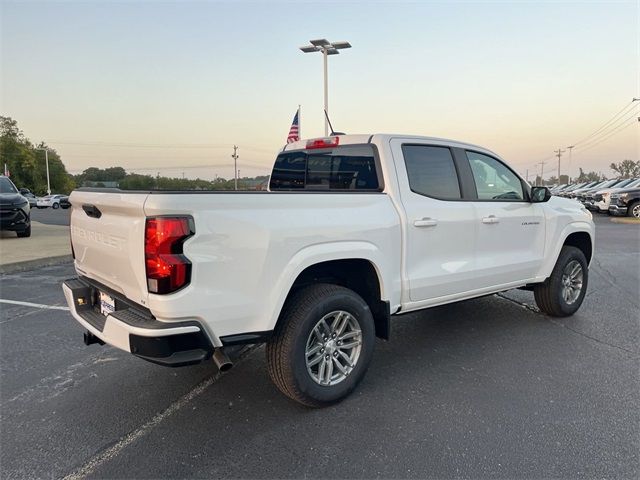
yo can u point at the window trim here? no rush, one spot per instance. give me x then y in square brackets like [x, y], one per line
[455, 166]
[376, 162]
[525, 190]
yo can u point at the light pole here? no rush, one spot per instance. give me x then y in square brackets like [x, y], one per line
[46, 161]
[327, 48]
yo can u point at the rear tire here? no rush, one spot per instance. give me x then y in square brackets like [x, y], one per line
[297, 351]
[563, 292]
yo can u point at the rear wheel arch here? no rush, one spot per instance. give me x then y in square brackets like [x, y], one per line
[356, 274]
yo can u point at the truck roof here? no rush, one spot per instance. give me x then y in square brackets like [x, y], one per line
[353, 139]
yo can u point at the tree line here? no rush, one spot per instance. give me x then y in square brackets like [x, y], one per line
[98, 177]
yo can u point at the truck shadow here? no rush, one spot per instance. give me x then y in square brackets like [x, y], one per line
[445, 370]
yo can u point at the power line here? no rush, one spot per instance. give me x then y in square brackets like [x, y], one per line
[137, 145]
[623, 127]
[631, 103]
[605, 133]
[91, 143]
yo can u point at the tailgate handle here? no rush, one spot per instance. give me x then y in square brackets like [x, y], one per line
[92, 211]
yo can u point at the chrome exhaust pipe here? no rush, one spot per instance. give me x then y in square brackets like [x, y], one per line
[221, 360]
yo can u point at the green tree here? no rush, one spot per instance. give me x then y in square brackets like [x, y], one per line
[626, 168]
[26, 162]
[589, 177]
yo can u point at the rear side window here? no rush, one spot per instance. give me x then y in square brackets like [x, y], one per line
[431, 171]
[351, 167]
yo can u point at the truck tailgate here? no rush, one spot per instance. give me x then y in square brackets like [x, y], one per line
[107, 235]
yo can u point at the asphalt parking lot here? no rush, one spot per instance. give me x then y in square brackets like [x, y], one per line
[49, 216]
[488, 388]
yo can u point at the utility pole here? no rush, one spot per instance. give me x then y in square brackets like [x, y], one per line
[570, 147]
[235, 157]
[542, 172]
[559, 153]
[527, 175]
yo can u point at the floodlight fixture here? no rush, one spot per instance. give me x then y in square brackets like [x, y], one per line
[327, 48]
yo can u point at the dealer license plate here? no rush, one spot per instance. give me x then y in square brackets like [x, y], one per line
[107, 304]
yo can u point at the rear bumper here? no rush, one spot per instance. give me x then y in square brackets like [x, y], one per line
[135, 330]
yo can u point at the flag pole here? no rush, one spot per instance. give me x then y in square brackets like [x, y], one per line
[299, 122]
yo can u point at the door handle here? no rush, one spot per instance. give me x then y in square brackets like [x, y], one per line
[425, 222]
[491, 219]
[92, 211]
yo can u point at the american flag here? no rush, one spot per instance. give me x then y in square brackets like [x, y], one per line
[293, 131]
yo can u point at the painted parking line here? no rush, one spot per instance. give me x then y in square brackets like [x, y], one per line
[34, 305]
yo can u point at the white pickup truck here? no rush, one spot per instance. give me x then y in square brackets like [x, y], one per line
[353, 231]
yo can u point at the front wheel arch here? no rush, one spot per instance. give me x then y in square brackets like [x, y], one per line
[583, 242]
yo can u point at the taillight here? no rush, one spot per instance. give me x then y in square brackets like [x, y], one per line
[167, 268]
[326, 142]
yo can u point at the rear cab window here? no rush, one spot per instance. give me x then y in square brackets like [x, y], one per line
[343, 168]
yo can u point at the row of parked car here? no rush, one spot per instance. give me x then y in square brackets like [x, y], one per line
[615, 197]
[54, 201]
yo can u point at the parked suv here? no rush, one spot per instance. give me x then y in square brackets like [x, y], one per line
[15, 213]
[626, 202]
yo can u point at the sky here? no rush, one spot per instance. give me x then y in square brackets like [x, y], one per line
[170, 87]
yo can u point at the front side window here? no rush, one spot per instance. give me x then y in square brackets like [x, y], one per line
[494, 181]
[431, 171]
[350, 167]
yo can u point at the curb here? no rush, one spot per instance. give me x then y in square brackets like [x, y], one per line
[33, 264]
[627, 220]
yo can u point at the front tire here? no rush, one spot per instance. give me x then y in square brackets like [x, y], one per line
[322, 345]
[563, 292]
[634, 209]
[25, 233]
[56, 206]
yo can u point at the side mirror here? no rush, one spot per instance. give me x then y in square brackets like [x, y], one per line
[540, 194]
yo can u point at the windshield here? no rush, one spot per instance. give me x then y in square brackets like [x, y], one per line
[624, 183]
[7, 186]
